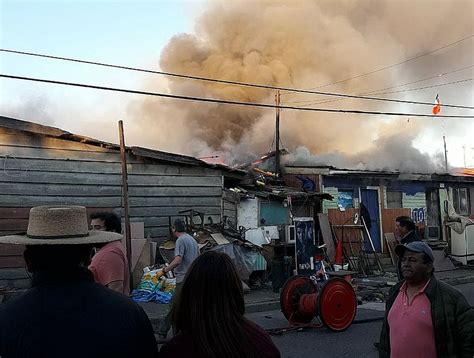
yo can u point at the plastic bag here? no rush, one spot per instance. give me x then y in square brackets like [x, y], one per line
[154, 287]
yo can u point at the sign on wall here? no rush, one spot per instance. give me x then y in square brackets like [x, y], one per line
[418, 215]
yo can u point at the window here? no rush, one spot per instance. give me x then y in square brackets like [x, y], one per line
[344, 199]
[394, 199]
[461, 200]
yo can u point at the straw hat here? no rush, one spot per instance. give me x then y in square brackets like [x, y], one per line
[59, 225]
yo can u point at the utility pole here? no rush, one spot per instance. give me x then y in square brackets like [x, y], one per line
[128, 238]
[277, 135]
[464, 155]
[445, 155]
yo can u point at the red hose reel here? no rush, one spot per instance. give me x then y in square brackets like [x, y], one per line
[334, 302]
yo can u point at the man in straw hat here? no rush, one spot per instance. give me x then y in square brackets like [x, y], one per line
[65, 313]
[425, 317]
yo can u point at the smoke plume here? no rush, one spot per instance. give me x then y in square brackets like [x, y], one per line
[306, 44]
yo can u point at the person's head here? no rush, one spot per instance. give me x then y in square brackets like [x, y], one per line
[58, 238]
[211, 304]
[416, 261]
[403, 225]
[178, 228]
[56, 257]
[106, 221]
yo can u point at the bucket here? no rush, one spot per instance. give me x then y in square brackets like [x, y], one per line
[341, 267]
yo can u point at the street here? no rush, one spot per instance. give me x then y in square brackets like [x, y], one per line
[357, 341]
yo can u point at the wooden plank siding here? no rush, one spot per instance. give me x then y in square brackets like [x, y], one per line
[229, 206]
[41, 170]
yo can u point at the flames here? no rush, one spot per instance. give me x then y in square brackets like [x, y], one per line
[465, 171]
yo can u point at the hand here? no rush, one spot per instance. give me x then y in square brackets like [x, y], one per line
[164, 270]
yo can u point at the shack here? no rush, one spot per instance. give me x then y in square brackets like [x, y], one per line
[386, 195]
[43, 165]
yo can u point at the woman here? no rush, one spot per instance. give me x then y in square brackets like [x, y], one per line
[208, 315]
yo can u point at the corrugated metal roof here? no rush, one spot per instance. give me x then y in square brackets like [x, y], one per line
[17, 124]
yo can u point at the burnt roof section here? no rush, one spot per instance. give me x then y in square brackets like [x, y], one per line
[278, 192]
[333, 171]
[25, 126]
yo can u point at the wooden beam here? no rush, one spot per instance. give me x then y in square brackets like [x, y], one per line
[128, 234]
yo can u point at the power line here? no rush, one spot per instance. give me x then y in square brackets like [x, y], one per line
[287, 89]
[422, 80]
[211, 100]
[426, 87]
[388, 88]
[395, 64]
[405, 90]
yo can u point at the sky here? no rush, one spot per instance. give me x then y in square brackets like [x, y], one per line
[130, 33]
[143, 34]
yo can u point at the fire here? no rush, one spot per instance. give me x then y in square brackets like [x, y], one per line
[465, 171]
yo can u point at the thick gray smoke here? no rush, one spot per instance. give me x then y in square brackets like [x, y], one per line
[304, 44]
[391, 154]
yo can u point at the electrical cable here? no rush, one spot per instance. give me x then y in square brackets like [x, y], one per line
[395, 64]
[287, 89]
[426, 87]
[210, 100]
[421, 80]
[405, 90]
[386, 88]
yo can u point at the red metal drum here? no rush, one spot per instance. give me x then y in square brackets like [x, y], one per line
[298, 299]
[337, 304]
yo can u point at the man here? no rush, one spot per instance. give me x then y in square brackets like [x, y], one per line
[185, 252]
[110, 265]
[66, 313]
[405, 230]
[425, 317]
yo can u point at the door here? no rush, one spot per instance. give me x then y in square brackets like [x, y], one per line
[433, 210]
[370, 199]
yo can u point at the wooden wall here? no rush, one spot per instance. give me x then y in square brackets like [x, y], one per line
[387, 219]
[389, 216]
[40, 170]
[229, 206]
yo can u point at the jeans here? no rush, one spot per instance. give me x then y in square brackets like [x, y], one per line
[165, 325]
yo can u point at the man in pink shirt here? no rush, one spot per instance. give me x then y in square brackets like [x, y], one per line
[425, 318]
[109, 265]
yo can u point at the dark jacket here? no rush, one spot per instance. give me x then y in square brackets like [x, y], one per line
[410, 237]
[67, 314]
[452, 316]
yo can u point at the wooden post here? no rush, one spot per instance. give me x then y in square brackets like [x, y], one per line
[445, 155]
[128, 238]
[277, 136]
